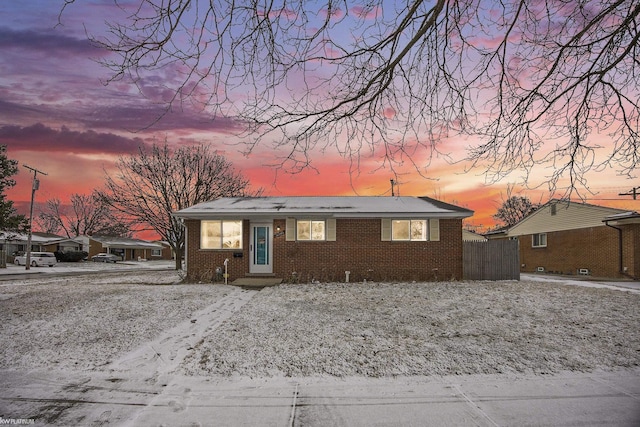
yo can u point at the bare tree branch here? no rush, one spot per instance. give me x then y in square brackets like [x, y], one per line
[536, 81]
[150, 186]
[85, 214]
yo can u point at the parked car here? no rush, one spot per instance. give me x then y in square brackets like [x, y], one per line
[38, 259]
[103, 257]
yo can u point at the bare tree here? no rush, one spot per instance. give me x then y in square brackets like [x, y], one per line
[534, 80]
[85, 214]
[514, 209]
[150, 186]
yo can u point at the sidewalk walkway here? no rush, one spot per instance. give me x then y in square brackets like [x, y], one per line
[624, 285]
[569, 399]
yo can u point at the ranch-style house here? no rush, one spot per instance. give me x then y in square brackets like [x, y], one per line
[307, 239]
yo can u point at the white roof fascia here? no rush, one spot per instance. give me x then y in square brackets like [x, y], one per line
[631, 217]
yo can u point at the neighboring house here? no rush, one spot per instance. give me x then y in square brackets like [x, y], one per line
[579, 239]
[128, 249]
[75, 244]
[165, 253]
[470, 236]
[17, 242]
[325, 238]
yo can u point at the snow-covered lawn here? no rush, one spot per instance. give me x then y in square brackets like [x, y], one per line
[379, 330]
[85, 323]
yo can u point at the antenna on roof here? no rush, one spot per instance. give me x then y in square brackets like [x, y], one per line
[392, 184]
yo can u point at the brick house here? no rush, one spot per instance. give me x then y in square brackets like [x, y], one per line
[322, 238]
[578, 239]
[127, 248]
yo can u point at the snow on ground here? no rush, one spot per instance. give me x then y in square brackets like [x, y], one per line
[84, 322]
[86, 266]
[126, 347]
[373, 329]
[379, 330]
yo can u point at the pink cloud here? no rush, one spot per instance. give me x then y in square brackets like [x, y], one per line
[366, 12]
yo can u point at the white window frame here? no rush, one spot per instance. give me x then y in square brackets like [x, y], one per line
[311, 223]
[539, 240]
[291, 231]
[210, 243]
[425, 230]
[432, 229]
[156, 252]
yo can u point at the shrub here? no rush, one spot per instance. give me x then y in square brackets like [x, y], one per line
[71, 256]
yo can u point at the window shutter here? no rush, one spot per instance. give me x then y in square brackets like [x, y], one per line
[291, 230]
[331, 229]
[386, 230]
[434, 230]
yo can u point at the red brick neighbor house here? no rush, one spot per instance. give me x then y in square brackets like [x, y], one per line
[128, 249]
[310, 239]
[570, 238]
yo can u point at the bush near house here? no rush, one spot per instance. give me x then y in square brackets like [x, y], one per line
[74, 256]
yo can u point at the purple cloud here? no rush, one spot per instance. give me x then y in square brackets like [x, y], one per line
[39, 137]
[50, 42]
[155, 118]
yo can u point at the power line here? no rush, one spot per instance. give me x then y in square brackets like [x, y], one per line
[633, 192]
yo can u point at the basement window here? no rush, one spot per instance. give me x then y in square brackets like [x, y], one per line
[539, 240]
[220, 234]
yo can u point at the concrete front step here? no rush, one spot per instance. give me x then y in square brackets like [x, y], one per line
[256, 282]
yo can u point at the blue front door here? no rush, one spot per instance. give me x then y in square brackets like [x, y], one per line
[261, 248]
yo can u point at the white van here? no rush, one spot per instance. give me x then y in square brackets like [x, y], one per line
[38, 259]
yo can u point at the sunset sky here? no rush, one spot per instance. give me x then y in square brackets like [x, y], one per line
[57, 115]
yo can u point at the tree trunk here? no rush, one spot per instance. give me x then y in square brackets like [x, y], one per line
[178, 258]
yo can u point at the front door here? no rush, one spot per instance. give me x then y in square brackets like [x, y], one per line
[261, 248]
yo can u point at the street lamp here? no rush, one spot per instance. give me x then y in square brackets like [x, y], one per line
[34, 187]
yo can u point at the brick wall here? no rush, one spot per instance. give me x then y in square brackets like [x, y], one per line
[358, 248]
[594, 248]
[202, 263]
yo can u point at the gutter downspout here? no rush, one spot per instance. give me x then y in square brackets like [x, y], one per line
[620, 261]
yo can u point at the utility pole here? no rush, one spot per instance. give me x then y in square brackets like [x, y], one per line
[634, 192]
[34, 187]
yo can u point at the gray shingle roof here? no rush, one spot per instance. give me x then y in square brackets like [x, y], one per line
[337, 207]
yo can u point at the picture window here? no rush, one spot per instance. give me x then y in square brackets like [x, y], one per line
[221, 234]
[310, 229]
[409, 229]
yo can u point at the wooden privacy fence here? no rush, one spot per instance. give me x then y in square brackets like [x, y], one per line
[491, 260]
